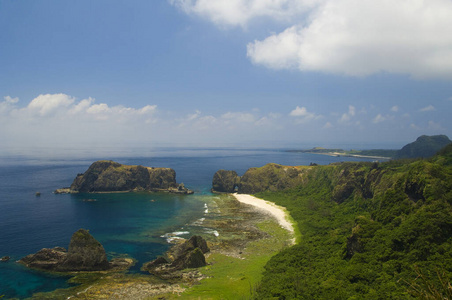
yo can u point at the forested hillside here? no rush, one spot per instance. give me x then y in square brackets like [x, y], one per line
[369, 231]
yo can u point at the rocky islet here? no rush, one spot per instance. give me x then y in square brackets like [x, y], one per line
[110, 176]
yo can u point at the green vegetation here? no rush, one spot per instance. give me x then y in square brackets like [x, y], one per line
[369, 231]
[424, 146]
[237, 277]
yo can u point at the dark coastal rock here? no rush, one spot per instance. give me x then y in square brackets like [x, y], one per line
[5, 258]
[189, 254]
[225, 181]
[192, 259]
[85, 254]
[109, 176]
[183, 249]
[155, 263]
[45, 259]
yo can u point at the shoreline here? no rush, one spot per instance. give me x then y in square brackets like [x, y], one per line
[241, 246]
[278, 212]
[344, 154]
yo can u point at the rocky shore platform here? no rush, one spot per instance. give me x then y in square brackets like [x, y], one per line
[246, 237]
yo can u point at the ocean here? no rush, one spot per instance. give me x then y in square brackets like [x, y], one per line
[140, 225]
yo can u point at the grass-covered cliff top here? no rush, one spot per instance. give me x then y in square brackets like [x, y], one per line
[369, 231]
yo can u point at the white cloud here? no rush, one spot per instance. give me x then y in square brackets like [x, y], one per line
[363, 37]
[379, 118]
[11, 100]
[435, 126]
[302, 115]
[61, 117]
[238, 117]
[194, 116]
[8, 104]
[414, 126]
[82, 106]
[49, 104]
[352, 37]
[395, 108]
[346, 117]
[428, 108]
[327, 125]
[241, 12]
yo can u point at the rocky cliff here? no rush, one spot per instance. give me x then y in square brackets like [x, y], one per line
[225, 181]
[85, 253]
[271, 177]
[109, 176]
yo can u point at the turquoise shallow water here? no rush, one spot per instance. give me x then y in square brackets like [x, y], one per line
[136, 224]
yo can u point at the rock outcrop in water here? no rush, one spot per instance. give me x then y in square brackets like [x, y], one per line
[109, 176]
[225, 181]
[189, 254]
[85, 253]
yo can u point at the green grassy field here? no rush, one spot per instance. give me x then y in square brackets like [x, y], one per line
[236, 278]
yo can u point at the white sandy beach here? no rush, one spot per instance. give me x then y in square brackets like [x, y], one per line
[277, 211]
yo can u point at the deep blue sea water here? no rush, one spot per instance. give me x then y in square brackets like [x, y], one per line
[133, 223]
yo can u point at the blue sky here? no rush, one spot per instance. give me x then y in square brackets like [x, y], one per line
[250, 73]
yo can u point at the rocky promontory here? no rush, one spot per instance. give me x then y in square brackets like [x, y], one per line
[271, 177]
[110, 176]
[85, 254]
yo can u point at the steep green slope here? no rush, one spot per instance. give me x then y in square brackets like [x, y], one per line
[424, 146]
[368, 230]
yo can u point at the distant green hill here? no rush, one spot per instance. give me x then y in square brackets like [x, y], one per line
[424, 146]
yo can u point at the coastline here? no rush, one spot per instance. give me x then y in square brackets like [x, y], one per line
[249, 235]
[278, 212]
[344, 154]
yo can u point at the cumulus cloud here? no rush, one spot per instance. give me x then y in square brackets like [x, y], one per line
[363, 37]
[49, 104]
[346, 117]
[66, 122]
[379, 118]
[193, 116]
[428, 108]
[302, 114]
[9, 99]
[241, 12]
[8, 104]
[351, 37]
[395, 108]
[239, 117]
[61, 119]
